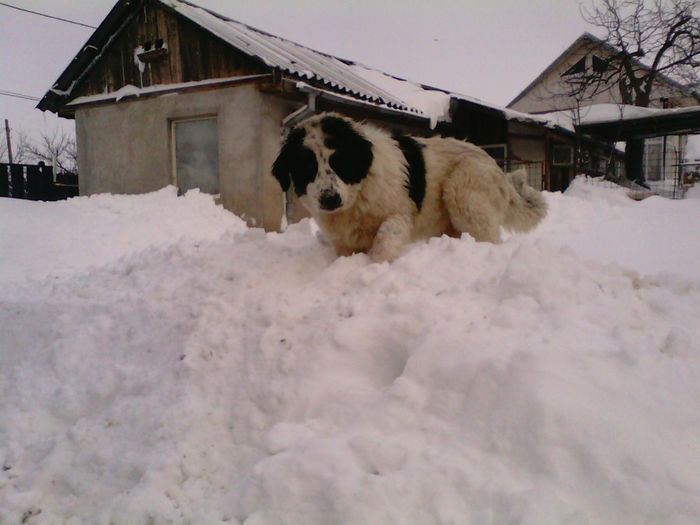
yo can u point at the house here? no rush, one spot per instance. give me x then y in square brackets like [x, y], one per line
[555, 94]
[551, 90]
[166, 92]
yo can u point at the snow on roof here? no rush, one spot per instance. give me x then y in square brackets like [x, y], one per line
[433, 103]
[563, 119]
[306, 63]
[555, 120]
[599, 113]
[130, 90]
[596, 114]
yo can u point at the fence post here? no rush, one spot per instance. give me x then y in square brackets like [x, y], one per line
[9, 142]
[17, 187]
[4, 180]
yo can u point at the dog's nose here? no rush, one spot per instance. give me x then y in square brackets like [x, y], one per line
[329, 200]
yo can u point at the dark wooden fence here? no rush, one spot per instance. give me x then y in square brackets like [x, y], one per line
[36, 182]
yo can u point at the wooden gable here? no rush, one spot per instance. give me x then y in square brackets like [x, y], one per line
[159, 47]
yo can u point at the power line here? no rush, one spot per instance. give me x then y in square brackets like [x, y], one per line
[17, 95]
[47, 16]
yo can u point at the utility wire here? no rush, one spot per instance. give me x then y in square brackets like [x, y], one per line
[17, 95]
[47, 16]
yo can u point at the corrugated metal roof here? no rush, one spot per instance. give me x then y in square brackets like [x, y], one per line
[299, 62]
[293, 58]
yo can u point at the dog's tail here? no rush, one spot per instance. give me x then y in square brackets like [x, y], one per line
[527, 205]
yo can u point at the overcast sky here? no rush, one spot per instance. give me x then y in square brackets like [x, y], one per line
[488, 49]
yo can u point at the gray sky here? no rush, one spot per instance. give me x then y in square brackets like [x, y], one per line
[488, 49]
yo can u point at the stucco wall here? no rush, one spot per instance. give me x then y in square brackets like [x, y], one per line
[125, 147]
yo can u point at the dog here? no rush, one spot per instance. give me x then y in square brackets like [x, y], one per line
[374, 192]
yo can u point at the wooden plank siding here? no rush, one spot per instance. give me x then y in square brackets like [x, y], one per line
[193, 55]
[475, 123]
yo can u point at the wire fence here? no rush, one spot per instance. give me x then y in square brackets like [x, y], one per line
[534, 170]
[665, 172]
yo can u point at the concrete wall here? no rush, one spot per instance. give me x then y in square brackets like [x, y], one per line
[125, 147]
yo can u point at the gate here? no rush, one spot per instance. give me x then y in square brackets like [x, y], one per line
[534, 169]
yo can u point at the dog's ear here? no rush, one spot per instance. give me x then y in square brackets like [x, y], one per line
[288, 156]
[353, 155]
[281, 168]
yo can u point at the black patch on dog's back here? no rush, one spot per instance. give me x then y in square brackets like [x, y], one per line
[353, 155]
[296, 161]
[415, 163]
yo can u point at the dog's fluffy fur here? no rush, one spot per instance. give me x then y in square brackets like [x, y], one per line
[373, 192]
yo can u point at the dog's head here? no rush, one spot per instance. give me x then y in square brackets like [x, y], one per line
[325, 158]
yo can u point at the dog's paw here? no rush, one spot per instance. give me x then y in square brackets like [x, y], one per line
[321, 238]
[384, 253]
[391, 238]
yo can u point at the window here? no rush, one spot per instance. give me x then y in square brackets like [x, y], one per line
[654, 159]
[599, 65]
[195, 152]
[562, 156]
[577, 68]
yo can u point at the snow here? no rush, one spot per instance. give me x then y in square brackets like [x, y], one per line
[432, 103]
[130, 90]
[599, 113]
[562, 119]
[163, 363]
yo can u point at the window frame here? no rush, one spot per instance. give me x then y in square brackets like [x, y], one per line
[172, 123]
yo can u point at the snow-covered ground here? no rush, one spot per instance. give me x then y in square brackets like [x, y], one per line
[162, 363]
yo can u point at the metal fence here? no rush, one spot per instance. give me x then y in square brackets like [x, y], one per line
[664, 171]
[534, 169]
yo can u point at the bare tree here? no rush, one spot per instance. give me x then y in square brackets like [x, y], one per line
[644, 41]
[20, 153]
[54, 149]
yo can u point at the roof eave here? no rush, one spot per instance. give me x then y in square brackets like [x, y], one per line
[649, 126]
[60, 92]
[348, 100]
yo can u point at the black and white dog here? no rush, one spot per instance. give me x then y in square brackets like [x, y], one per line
[373, 192]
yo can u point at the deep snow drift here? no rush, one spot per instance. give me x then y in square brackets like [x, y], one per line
[162, 363]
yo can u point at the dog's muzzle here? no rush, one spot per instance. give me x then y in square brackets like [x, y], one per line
[329, 201]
